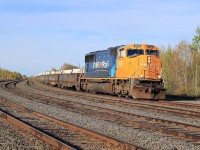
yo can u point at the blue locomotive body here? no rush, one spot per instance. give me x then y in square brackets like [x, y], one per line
[101, 64]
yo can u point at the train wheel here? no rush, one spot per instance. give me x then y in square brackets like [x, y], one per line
[119, 94]
[126, 96]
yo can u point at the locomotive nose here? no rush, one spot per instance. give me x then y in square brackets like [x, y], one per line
[153, 67]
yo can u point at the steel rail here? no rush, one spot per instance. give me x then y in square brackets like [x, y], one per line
[44, 137]
[171, 123]
[117, 143]
[186, 105]
[145, 102]
[140, 106]
[132, 123]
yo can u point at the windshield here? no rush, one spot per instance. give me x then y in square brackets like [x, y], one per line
[134, 52]
[152, 52]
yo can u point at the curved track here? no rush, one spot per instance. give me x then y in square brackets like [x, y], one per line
[178, 108]
[181, 130]
[85, 104]
[59, 134]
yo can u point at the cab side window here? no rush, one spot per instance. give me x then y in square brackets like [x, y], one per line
[121, 53]
[134, 52]
[152, 52]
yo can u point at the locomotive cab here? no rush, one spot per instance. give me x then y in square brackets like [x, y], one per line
[138, 61]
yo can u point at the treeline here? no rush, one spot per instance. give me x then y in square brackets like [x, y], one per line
[65, 66]
[181, 67]
[9, 75]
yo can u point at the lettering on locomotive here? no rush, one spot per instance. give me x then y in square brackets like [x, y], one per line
[102, 64]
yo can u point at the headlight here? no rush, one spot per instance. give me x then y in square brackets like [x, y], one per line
[159, 76]
[149, 59]
[141, 76]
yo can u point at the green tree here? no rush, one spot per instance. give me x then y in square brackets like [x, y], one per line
[181, 67]
[196, 62]
[68, 66]
[8, 75]
[176, 69]
[182, 58]
[53, 69]
[166, 69]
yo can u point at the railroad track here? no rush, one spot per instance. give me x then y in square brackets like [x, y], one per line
[181, 130]
[108, 97]
[13, 137]
[159, 107]
[59, 134]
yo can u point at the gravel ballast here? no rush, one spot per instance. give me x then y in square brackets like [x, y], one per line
[143, 138]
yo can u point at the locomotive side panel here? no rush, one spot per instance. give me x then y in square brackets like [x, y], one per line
[104, 64]
[101, 64]
[90, 58]
[98, 85]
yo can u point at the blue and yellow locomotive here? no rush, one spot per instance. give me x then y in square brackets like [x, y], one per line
[129, 70]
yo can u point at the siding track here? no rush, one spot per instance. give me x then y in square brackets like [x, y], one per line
[56, 132]
[84, 104]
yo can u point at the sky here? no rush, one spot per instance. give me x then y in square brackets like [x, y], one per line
[38, 35]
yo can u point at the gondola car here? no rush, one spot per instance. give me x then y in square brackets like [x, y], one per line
[70, 78]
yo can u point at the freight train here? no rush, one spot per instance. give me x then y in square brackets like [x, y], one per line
[129, 70]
